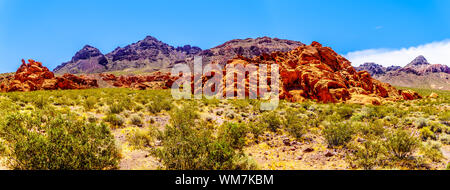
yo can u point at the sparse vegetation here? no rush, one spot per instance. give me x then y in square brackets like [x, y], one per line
[338, 134]
[100, 125]
[401, 143]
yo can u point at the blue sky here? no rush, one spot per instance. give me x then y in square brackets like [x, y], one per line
[51, 31]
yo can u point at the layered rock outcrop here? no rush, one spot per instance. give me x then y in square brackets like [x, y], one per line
[318, 73]
[33, 76]
[157, 80]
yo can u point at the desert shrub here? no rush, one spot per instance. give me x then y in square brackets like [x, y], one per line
[210, 101]
[256, 128]
[114, 120]
[294, 123]
[271, 120]
[188, 147]
[426, 133]
[116, 108]
[233, 134]
[240, 105]
[141, 138]
[3, 147]
[136, 120]
[432, 151]
[138, 108]
[127, 103]
[40, 101]
[89, 103]
[445, 139]
[60, 144]
[368, 155]
[338, 134]
[345, 112]
[375, 128]
[421, 122]
[401, 143]
[159, 104]
[444, 116]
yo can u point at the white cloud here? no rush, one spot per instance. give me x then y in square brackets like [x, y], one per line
[435, 53]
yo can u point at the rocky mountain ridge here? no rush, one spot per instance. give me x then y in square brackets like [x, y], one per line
[150, 55]
[418, 73]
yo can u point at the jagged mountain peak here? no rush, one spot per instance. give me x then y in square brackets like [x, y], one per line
[418, 61]
[86, 52]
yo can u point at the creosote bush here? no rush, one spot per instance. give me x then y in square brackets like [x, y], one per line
[114, 119]
[271, 120]
[401, 143]
[233, 134]
[141, 138]
[294, 123]
[60, 143]
[338, 134]
[186, 146]
[368, 155]
[159, 104]
[90, 102]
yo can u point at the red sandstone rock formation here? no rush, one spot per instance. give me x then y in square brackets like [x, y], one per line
[156, 80]
[33, 76]
[318, 73]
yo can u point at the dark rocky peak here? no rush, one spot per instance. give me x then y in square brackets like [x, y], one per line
[418, 61]
[87, 52]
[393, 68]
[372, 68]
[191, 50]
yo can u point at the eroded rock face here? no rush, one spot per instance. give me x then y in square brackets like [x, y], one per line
[318, 73]
[33, 76]
[157, 80]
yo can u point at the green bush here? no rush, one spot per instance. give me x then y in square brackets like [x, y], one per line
[368, 155]
[233, 134]
[141, 138]
[426, 133]
[3, 147]
[60, 144]
[240, 105]
[114, 120]
[40, 102]
[345, 112]
[445, 139]
[210, 101]
[338, 134]
[421, 122]
[271, 120]
[159, 104]
[401, 143]
[136, 120]
[294, 123]
[89, 103]
[187, 146]
[116, 108]
[432, 150]
[256, 128]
